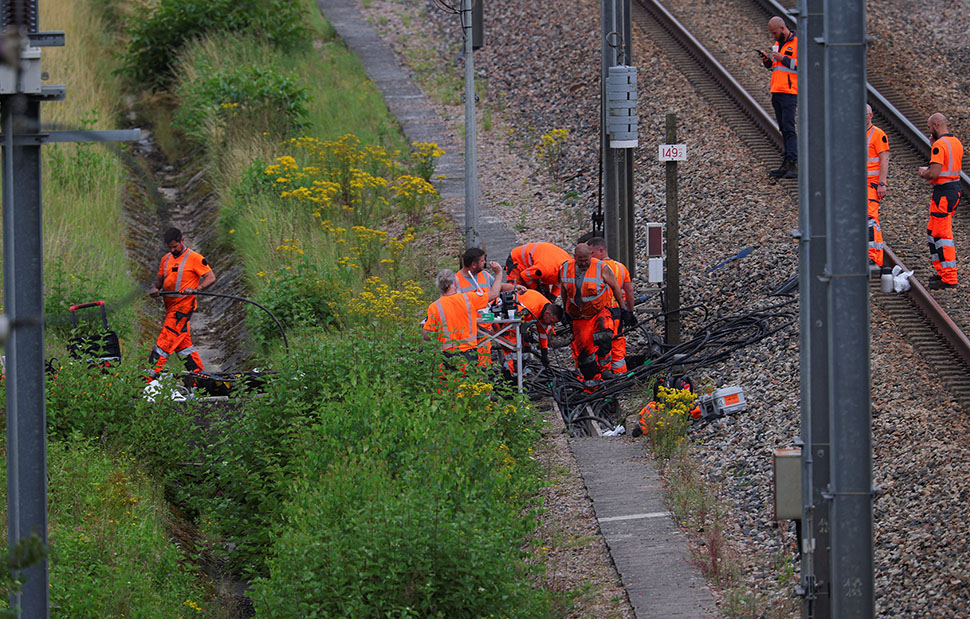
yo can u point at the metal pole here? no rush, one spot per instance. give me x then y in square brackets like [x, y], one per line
[24, 304]
[672, 321]
[471, 164]
[617, 162]
[813, 314]
[848, 303]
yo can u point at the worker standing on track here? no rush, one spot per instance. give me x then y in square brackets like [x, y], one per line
[454, 316]
[626, 316]
[588, 287]
[877, 168]
[533, 307]
[943, 172]
[536, 266]
[783, 64]
[185, 271]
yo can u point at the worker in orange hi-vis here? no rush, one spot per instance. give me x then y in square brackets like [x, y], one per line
[943, 172]
[877, 168]
[622, 313]
[588, 287]
[536, 266]
[453, 318]
[532, 308]
[783, 64]
[187, 272]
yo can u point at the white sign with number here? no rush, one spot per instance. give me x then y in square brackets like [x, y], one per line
[673, 152]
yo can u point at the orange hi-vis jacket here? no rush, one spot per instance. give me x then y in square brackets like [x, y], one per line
[878, 143]
[537, 263]
[533, 303]
[784, 79]
[181, 273]
[482, 281]
[622, 276]
[455, 320]
[948, 152]
[594, 293]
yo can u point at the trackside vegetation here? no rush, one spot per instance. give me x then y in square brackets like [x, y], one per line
[369, 478]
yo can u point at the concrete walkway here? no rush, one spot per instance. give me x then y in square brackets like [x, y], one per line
[418, 119]
[649, 551]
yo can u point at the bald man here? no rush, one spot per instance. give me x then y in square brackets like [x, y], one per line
[588, 287]
[943, 173]
[783, 64]
[877, 168]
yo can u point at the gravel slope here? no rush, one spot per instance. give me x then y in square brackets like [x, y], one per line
[542, 69]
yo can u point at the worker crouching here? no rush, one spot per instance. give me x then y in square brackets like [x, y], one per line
[532, 308]
[588, 289]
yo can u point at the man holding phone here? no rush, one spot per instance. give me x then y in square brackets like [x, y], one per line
[783, 64]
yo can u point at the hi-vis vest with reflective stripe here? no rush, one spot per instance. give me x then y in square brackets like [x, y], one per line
[622, 276]
[474, 282]
[595, 293]
[950, 157]
[534, 302]
[783, 79]
[458, 320]
[174, 299]
[874, 137]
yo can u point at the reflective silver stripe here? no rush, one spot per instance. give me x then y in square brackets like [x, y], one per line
[784, 69]
[178, 278]
[161, 353]
[522, 259]
[475, 285]
[453, 343]
[598, 280]
[873, 172]
[185, 352]
[948, 265]
[874, 245]
[619, 364]
[949, 159]
[945, 243]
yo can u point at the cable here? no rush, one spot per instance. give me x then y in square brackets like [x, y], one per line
[279, 325]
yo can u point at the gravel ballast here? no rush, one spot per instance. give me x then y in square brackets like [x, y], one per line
[541, 70]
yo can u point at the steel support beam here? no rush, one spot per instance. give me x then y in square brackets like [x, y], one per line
[850, 421]
[619, 223]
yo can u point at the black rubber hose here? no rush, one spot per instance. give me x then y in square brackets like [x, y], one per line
[286, 343]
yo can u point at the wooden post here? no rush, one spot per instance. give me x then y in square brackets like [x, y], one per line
[672, 322]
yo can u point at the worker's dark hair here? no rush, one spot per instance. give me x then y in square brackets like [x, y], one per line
[555, 309]
[471, 255]
[596, 242]
[172, 234]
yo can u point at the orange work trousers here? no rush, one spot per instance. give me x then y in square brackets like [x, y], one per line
[592, 345]
[175, 337]
[618, 352]
[876, 244]
[939, 231]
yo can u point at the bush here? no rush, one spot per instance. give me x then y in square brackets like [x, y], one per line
[156, 41]
[254, 97]
[300, 296]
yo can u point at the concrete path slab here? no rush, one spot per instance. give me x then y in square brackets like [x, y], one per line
[649, 550]
[419, 121]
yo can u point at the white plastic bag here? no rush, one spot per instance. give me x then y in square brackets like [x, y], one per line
[901, 279]
[617, 431]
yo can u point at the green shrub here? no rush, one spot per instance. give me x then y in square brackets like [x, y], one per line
[63, 288]
[261, 98]
[299, 296]
[156, 41]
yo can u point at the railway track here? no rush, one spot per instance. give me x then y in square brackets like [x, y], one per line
[938, 339]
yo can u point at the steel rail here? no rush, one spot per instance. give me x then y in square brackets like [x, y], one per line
[923, 300]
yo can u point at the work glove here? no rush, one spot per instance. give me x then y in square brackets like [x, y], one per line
[628, 318]
[544, 357]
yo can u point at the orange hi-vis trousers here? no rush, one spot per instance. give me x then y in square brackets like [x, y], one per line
[943, 253]
[592, 345]
[876, 244]
[618, 352]
[175, 337]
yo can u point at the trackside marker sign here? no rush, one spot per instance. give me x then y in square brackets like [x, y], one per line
[673, 152]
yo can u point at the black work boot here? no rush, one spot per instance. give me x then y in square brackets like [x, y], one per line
[792, 170]
[780, 170]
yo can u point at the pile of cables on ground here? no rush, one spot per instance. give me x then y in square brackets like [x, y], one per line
[714, 341]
